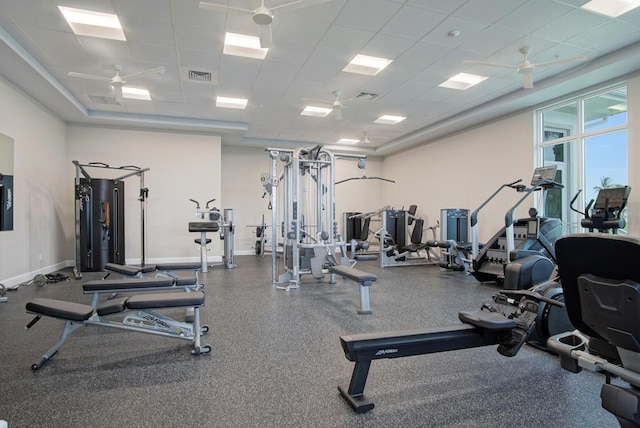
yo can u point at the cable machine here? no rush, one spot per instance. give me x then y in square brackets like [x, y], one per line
[99, 217]
[309, 226]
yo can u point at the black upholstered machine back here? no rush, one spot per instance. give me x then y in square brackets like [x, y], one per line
[603, 261]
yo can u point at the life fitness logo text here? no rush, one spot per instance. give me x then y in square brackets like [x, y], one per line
[386, 352]
[9, 199]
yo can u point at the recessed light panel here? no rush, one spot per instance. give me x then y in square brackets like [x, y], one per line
[347, 141]
[93, 24]
[367, 65]
[612, 8]
[242, 45]
[225, 102]
[136, 93]
[462, 81]
[387, 119]
[315, 111]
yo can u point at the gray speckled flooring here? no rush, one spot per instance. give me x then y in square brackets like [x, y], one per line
[277, 361]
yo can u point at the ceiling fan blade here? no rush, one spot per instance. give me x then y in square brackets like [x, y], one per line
[562, 61]
[490, 64]
[143, 73]
[527, 80]
[118, 93]
[265, 36]
[89, 76]
[296, 5]
[337, 111]
[220, 7]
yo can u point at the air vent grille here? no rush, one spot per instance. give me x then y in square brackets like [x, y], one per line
[199, 76]
[367, 96]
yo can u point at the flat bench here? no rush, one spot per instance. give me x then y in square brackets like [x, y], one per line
[129, 270]
[365, 279]
[145, 320]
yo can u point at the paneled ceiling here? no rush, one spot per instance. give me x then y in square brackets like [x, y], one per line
[311, 46]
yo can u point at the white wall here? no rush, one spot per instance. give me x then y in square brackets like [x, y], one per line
[463, 170]
[37, 244]
[181, 166]
[633, 137]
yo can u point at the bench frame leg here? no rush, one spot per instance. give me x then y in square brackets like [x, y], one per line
[69, 327]
[365, 306]
[355, 393]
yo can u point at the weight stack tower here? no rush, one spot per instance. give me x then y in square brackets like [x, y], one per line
[101, 223]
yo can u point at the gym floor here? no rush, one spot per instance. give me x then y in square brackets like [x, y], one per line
[277, 362]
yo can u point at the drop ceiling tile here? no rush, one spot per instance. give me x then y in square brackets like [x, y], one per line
[570, 25]
[200, 38]
[369, 15]
[345, 39]
[441, 6]
[491, 40]
[160, 12]
[487, 11]
[533, 15]
[296, 30]
[468, 29]
[147, 31]
[386, 46]
[107, 52]
[412, 22]
[424, 53]
[197, 59]
[153, 54]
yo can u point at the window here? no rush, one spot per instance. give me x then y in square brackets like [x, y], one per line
[586, 138]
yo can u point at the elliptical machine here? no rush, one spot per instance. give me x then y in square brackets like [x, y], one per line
[606, 215]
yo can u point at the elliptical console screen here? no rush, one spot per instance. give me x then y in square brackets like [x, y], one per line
[543, 173]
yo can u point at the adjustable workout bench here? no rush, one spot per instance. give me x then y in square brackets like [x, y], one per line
[145, 320]
[365, 280]
[479, 328]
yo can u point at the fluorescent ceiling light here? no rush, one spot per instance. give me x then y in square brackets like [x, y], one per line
[136, 93]
[315, 111]
[612, 8]
[93, 24]
[462, 81]
[368, 65]
[347, 141]
[245, 46]
[619, 107]
[387, 119]
[225, 102]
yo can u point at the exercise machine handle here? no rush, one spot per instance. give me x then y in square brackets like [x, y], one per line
[533, 295]
[572, 202]
[195, 202]
[208, 202]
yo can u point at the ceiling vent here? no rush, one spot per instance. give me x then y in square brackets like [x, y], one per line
[367, 96]
[198, 76]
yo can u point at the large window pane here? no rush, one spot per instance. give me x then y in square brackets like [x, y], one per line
[605, 162]
[559, 122]
[605, 110]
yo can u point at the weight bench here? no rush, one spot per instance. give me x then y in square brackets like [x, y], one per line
[134, 271]
[144, 320]
[479, 328]
[365, 280]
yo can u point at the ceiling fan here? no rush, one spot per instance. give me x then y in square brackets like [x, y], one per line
[118, 81]
[362, 165]
[525, 68]
[262, 15]
[336, 106]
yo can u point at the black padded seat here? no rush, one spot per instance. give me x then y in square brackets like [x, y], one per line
[178, 266]
[185, 281]
[488, 320]
[203, 226]
[60, 309]
[199, 241]
[125, 270]
[112, 306]
[354, 274]
[165, 300]
[416, 238]
[106, 285]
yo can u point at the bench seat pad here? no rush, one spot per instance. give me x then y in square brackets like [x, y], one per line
[60, 309]
[165, 300]
[353, 273]
[123, 284]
